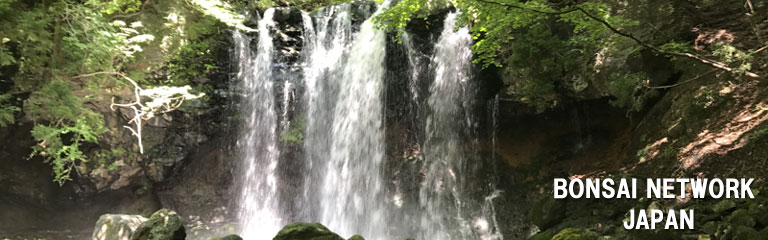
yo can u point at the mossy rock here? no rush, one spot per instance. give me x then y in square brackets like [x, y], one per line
[356, 237]
[576, 234]
[306, 231]
[742, 233]
[723, 206]
[228, 237]
[548, 213]
[740, 217]
[659, 235]
[759, 212]
[162, 225]
[545, 235]
[710, 227]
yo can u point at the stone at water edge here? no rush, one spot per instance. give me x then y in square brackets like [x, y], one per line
[162, 225]
[228, 237]
[116, 226]
[356, 237]
[306, 231]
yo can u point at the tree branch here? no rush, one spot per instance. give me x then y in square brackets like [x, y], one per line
[710, 62]
[686, 81]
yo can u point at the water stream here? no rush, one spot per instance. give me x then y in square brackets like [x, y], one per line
[258, 141]
[344, 182]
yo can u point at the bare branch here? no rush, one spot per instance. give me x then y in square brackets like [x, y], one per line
[686, 81]
[163, 100]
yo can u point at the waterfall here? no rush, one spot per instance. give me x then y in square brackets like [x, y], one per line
[325, 46]
[453, 211]
[257, 211]
[345, 142]
[344, 182]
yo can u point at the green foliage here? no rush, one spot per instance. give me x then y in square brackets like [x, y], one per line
[730, 55]
[625, 86]
[295, 133]
[399, 15]
[758, 134]
[643, 153]
[60, 146]
[56, 46]
[69, 126]
[6, 111]
[63, 38]
[306, 5]
[107, 157]
[670, 151]
[193, 61]
[115, 6]
[538, 44]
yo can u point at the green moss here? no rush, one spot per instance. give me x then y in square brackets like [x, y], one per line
[356, 237]
[306, 231]
[162, 225]
[228, 237]
[723, 206]
[575, 234]
[758, 134]
[295, 133]
[545, 235]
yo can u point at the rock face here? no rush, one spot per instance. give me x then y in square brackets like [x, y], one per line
[162, 225]
[117, 226]
[548, 213]
[306, 231]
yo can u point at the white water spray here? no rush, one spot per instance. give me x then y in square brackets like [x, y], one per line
[258, 215]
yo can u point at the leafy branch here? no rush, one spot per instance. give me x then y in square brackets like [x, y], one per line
[612, 28]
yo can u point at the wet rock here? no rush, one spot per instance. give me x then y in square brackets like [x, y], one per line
[116, 226]
[575, 234]
[287, 14]
[306, 231]
[356, 237]
[228, 237]
[162, 225]
[548, 213]
[361, 10]
[545, 235]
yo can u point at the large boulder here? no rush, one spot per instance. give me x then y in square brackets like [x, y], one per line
[116, 226]
[162, 225]
[306, 231]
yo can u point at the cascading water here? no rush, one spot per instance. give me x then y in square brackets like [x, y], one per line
[344, 77]
[452, 208]
[324, 50]
[258, 195]
[343, 181]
